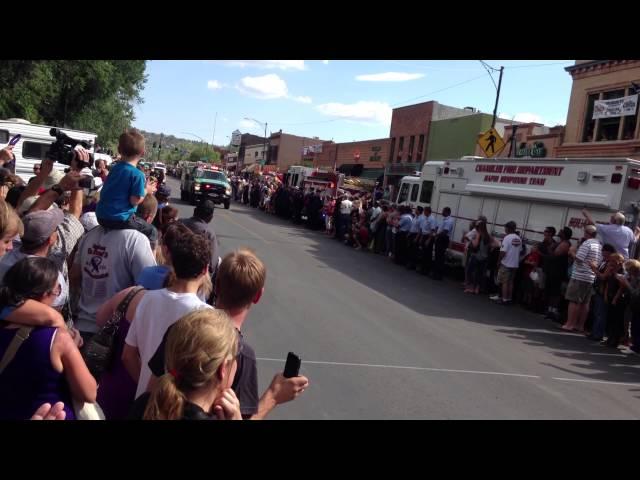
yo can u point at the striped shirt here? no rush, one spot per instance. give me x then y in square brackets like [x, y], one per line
[589, 251]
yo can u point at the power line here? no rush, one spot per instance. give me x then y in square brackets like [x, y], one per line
[534, 65]
[441, 90]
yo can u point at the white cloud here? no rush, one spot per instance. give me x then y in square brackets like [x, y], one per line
[389, 77]
[363, 111]
[302, 99]
[326, 62]
[278, 64]
[214, 85]
[265, 87]
[268, 87]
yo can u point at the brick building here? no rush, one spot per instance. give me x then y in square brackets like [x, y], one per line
[409, 136]
[286, 149]
[608, 129]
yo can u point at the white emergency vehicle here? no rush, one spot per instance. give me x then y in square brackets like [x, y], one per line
[534, 193]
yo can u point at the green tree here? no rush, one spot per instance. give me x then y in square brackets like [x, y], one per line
[94, 95]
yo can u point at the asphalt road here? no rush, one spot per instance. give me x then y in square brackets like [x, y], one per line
[380, 342]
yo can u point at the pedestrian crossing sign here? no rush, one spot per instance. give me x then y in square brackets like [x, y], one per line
[491, 143]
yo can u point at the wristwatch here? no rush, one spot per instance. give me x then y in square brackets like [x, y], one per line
[58, 189]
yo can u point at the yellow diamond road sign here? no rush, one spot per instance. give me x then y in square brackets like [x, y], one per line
[491, 143]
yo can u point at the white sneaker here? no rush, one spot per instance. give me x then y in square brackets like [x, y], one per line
[495, 298]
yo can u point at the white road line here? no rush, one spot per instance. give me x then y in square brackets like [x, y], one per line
[596, 381]
[401, 367]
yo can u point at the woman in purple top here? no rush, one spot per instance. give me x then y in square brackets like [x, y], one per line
[47, 367]
[117, 389]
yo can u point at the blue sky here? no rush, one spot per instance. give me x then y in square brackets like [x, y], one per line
[343, 100]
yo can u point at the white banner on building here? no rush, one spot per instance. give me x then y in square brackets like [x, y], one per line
[618, 107]
[311, 150]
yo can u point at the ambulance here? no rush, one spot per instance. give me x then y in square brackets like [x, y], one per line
[296, 174]
[533, 192]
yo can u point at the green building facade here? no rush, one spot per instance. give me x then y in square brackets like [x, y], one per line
[456, 137]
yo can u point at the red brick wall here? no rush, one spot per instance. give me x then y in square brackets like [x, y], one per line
[407, 121]
[347, 153]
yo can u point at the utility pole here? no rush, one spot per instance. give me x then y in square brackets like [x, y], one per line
[495, 109]
[160, 146]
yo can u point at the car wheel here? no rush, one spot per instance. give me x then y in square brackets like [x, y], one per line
[227, 204]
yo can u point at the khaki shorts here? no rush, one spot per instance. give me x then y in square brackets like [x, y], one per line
[579, 292]
[506, 274]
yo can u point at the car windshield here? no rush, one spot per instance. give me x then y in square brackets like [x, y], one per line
[211, 175]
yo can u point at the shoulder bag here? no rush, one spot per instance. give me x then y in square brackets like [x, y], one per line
[98, 351]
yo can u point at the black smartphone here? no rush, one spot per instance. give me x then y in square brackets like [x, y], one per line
[15, 139]
[292, 367]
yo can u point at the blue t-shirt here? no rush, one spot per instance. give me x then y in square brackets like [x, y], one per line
[124, 181]
[153, 278]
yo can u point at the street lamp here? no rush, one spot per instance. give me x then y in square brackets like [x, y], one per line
[264, 147]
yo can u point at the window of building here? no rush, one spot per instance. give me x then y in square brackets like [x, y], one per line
[256, 155]
[400, 148]
[414, 192]
[589, 122]
[609, 128]
[420, 147]
[35, 150]
[393, 147]
[411, 142]
[427, 190]
[613, 128]
[4, 136]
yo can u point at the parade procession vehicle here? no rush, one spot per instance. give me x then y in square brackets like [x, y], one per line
[205, 182]
[533, 192]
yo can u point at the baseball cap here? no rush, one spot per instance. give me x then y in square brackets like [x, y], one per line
[40, 225]
[89, 221]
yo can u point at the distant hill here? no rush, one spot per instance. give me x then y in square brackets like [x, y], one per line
[170, 141]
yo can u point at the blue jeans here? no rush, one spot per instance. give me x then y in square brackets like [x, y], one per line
[599, 316]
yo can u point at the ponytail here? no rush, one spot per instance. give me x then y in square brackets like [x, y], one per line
[166, 401]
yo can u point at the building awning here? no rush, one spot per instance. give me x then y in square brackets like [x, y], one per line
[402, 169]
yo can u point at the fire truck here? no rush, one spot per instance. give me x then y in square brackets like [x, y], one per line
[534, 193]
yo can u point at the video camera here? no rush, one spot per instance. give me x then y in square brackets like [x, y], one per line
[62, 150]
